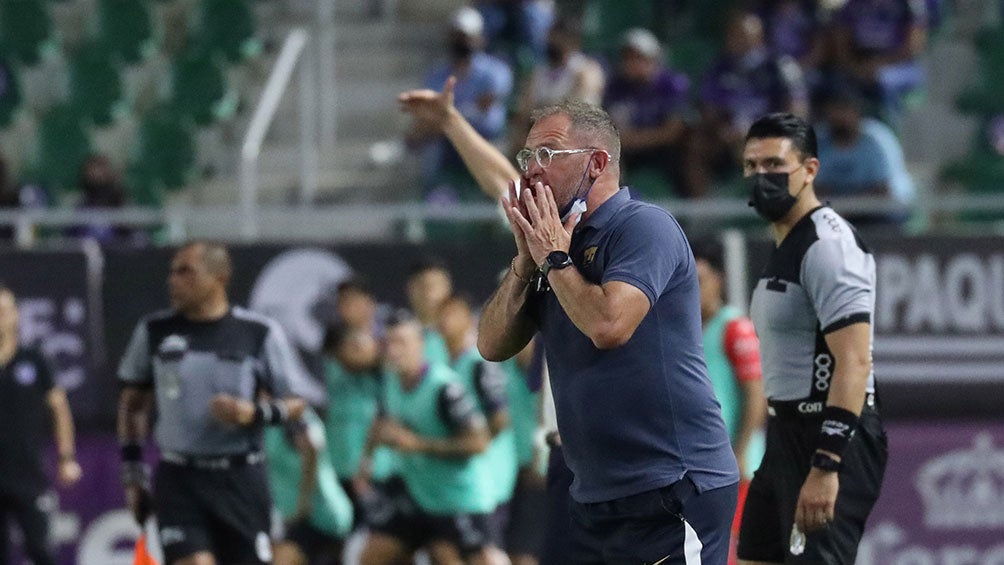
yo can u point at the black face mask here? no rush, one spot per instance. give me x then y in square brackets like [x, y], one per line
[769, 195]
[554, 54]
[461, 49]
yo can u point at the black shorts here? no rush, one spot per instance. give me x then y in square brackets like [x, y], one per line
[527, 520]
[312, 541]
[224, 511]
[673, 525]
[31, 511]
[769, 514]
[394, 513]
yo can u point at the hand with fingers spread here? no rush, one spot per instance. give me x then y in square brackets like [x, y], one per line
[542, 225]
[429, 107]
[817, 500]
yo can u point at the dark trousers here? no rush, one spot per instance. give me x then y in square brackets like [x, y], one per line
[28, 512]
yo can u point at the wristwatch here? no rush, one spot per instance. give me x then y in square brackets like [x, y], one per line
[824, 462]
[555, 260]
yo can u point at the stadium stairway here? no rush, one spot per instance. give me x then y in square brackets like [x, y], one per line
[376, 58]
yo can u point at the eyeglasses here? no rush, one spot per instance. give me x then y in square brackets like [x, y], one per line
[543, 156]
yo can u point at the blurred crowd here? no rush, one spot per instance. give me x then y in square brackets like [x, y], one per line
[683, 92]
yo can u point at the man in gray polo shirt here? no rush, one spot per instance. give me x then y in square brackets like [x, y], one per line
[655, 477]
[216, 375]
[812, 309]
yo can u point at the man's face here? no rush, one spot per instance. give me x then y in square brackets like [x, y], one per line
[356, 308]
[403, 348]
[843, 120]
[427, 290]
[743, 34]
[778, 155]
[637, 67]
[190, 283]
[454, 320]
[710, 282]
[8, 313]
[358, 352]
[567, 173]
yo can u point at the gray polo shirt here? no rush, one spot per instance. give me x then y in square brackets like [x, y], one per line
[187, 363]
[821, 278]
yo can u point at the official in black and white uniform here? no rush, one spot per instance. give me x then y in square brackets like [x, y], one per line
[26, 386]
[216, 374]
[812, 309]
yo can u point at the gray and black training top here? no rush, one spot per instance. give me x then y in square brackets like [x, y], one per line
[819, 280]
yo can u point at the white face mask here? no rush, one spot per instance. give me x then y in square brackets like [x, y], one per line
[578, 205]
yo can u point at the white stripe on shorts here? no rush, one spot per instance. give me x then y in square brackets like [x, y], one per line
[692, 545]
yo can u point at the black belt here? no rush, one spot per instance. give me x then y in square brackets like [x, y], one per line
[805, 408]
[217, 463]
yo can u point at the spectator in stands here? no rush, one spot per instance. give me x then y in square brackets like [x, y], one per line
[747, 82]
[648, 102]
[877, 44]
[794, 28]
[566, 73]
[860, 156]
[356, 307]
[516, 29]
[102, 189]
[482, 88]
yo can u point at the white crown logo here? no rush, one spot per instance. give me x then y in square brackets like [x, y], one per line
[964, 489]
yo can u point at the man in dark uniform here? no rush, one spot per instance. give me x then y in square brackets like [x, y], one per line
[26, 384]
[615, 298]
[812, 309]
[217, 374]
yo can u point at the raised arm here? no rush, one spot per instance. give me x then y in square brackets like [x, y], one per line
[491, 169]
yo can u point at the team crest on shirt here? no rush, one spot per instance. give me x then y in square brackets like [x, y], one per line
[589, 255]
[25, 374]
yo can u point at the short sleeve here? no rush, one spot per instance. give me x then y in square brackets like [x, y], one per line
[458, 410]
[839, 278]
[645, 251]
[490, 386]
[136, 368]
[742, 348]
[278, 362]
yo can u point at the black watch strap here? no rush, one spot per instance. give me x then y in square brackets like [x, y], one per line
[826, 462]
[555, 260]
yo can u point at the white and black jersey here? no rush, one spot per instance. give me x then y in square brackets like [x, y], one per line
[188, 362]
[821, 278]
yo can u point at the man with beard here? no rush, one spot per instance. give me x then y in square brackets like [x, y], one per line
[616, 300]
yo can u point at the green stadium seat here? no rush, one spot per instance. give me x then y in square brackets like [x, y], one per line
[127, 29]
[63, 145]
[25, 30]
[981, 171]
[229, 28]
[692, 56]
[10, 92]
[165, 156]
[199, 87]
[95, 84]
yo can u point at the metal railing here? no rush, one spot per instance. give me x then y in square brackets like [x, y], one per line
[293, 51]
[372, 222]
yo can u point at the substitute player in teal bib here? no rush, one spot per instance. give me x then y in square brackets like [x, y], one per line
[488, 383]
[305, 491]
[434, 426]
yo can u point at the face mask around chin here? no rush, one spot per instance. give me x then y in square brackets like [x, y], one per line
[769, 195]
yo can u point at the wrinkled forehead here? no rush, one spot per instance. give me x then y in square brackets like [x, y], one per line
[550, 131]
